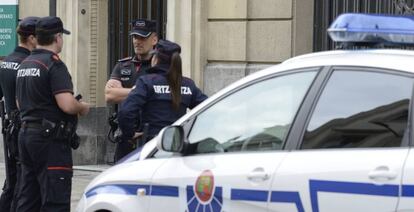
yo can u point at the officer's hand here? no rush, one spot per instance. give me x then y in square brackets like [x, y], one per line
[84, 108]
[137, 135]
[113, 84]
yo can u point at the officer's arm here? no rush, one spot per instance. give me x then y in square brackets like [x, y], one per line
[68, 104]
[129, 111]
[198, 97]
[114, 92]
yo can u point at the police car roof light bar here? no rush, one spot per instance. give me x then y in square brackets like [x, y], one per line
[373, 28]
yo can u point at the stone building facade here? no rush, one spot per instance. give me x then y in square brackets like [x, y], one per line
[222, 41]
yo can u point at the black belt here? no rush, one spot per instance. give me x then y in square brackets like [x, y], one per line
[32, 124]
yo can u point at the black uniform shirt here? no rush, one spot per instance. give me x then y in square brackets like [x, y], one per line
[129, 69]
[8, 72]
[41, 76]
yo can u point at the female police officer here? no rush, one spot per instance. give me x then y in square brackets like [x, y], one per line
[161, 97]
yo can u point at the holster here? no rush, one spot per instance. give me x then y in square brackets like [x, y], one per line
[66, 131]
[12, 132]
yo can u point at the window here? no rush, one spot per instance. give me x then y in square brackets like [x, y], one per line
[254, 118]
[360, 109]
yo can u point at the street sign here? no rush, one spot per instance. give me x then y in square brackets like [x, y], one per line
[8, 20]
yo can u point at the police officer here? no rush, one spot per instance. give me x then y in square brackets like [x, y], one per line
[8, 72]
[47, 106]
[162, 96]
[127, 71]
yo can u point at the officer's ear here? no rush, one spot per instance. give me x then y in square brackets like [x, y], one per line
[32, 41]
[154, 38]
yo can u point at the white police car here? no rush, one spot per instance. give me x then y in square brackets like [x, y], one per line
[330, 131]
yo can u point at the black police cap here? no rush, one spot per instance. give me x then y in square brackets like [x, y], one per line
[50, 25]
[27, 26]
[143, 27]
[166, 49]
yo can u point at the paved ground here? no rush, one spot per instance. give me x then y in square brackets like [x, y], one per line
[81, 178]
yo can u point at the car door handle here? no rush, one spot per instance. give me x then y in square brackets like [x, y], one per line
[382, 173]
[258, 174]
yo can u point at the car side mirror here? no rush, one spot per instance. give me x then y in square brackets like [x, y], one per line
[172, 139]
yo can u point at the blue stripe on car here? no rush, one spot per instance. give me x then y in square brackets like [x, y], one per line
[131, 189]
[408, 190]
[171, 191]
[249, 195]
[287, 196]
[125, 189]
[316, 186]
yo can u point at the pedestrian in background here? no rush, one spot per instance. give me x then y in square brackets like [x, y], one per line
[162, 96]
[128, 70]
[48, 110]
[8, 71]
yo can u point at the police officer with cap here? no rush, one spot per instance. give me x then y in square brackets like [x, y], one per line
[8, 71]
[127, 71]
[161, 97]
[48, 108]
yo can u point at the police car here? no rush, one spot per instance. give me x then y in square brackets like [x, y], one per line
[329, 131]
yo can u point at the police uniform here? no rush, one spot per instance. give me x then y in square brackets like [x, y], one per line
[46, 156]
[128, 70]
[152, 99]
[8, 72]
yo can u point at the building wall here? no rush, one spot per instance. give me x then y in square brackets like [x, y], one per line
[33, 8]
[224, 41]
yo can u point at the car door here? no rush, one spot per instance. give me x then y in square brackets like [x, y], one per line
[406, 202]
[234, 147]
[352, 150]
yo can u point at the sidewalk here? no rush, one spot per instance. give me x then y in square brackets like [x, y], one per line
[82, 175]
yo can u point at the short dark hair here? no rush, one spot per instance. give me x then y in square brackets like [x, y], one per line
[45, 39]
[22, 37]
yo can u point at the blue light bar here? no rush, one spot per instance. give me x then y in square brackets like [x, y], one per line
[370, 28]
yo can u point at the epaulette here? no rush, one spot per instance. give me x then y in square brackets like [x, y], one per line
[125, 59]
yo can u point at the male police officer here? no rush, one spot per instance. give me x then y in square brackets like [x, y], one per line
[48, 109]
[8, 72]
[127, 71]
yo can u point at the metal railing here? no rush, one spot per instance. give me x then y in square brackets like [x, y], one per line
[121, 13]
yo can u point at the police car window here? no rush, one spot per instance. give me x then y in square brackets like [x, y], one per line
[254, 118]
[360, 109]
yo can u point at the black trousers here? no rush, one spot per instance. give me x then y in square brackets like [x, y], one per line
[46, 179]
[8, 199]
[122, 149]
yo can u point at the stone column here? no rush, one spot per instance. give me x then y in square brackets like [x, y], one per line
[85, 53]
[186, 23]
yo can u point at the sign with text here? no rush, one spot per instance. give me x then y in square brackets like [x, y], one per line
[8, 20]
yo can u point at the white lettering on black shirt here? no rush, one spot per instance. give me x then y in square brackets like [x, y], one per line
[28, 72]
[10, 65]
[164, 89]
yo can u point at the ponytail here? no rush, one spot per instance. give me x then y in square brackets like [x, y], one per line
[174, 78]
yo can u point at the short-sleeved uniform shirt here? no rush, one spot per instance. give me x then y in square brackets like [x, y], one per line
[152, 98]
[40, 77]
[8, 72]
[129, 69]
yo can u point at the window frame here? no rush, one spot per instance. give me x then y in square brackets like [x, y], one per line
[313, 99]
[189, 122]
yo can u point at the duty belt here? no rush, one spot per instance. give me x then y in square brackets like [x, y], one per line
[32, 124]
